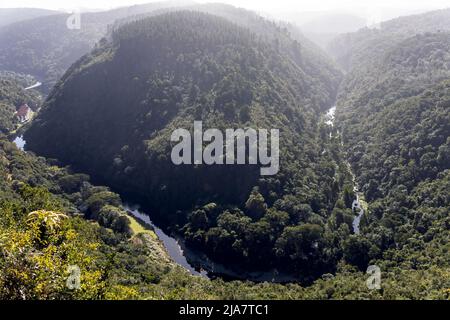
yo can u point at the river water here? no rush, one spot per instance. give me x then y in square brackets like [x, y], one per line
[20, 142]
[198, 263]
[357, 221]
[172, 245]
[330, 117]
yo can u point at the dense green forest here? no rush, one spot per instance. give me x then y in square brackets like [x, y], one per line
[163, 73]
[45, 47]
[53, 218]
[393, 114]
[359, 49]
[158, 69]
[286, 37]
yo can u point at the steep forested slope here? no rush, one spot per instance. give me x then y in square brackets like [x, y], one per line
[112, 115]
[287, 38]
[45, 47]
[394, 116]
[42, 233]
[44, 230]
[115, 110]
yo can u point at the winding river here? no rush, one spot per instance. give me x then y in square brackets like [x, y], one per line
[195, 262]
[172, 245]
[198, 263]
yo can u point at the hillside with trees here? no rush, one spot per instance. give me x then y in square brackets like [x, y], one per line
[45, 47]
[53, 218]
[393, 114]
[109, 119]
[164, 72]
[355, 51]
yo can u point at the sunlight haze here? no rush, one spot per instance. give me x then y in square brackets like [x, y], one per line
[394, 7]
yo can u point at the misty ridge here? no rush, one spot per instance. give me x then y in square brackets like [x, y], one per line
[176, 150]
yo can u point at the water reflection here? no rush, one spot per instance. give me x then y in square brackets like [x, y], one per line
[171, 244]
[20, 142]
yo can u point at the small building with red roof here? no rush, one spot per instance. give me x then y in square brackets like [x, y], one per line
[23, 114]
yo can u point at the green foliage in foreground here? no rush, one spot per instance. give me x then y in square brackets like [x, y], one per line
[191, 66]
[395, 127]
[42, 233]
[166, 71]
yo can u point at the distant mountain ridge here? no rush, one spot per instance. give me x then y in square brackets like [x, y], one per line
[348, 49]
[337, 23]
[13, 15]
[45, 47]
[113, 112]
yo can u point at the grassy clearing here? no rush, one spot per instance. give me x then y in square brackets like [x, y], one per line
[137, 227]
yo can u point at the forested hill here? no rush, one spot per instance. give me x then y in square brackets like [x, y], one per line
[112, 115]
[394, 115]
[359, 49]
[45, 47]
[286, 37]
[114, 111]
[52, 218]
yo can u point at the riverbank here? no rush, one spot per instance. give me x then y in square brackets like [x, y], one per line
[359, 205]
[195, 262]
[198, 263]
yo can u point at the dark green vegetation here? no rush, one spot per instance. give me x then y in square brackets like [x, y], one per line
[35, 253]
[163, 73]
[394, 114]
[112, 114]
[12, 96]
[326, 27]
[45, 48]
[285, 37]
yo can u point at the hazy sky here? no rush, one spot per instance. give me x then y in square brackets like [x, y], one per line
[384, 8]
